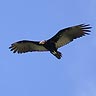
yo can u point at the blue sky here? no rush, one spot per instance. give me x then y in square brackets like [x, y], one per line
[41, 74]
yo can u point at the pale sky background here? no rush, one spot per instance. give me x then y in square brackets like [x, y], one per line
[41, 74]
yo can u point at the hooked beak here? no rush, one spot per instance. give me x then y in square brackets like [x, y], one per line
[42, 42]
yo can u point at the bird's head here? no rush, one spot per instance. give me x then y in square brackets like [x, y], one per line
[42, 42]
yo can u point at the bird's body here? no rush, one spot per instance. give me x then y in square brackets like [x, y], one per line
[62, 38]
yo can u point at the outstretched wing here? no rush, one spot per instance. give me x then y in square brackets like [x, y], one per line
[67, 35]
[26, 46]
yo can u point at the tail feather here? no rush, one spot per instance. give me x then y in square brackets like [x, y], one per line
[57, 54]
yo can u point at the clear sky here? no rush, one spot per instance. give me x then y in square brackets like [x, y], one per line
[41, 74]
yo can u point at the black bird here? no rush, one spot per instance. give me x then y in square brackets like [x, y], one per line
[62, 38]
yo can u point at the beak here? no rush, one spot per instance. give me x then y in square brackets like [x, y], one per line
[42, 42]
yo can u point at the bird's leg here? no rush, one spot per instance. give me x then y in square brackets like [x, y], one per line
[56, 54]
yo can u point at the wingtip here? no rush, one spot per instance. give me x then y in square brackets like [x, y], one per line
[85, 25]
[86, 28]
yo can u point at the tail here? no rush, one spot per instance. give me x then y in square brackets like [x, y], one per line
[57, 54]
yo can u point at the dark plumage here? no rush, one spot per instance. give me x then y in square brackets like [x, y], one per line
[62, 38]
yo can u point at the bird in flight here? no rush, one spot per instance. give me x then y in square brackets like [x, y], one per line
[62, 38]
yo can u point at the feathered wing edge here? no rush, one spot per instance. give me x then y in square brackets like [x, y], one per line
[67, 35]
[26, 46]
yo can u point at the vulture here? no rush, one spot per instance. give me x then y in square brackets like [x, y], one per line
[63, 37]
